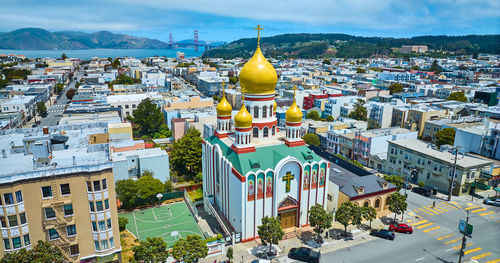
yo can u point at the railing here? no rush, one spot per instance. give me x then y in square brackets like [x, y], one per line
[216, 215]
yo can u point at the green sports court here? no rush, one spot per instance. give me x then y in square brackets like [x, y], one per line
[162, 221]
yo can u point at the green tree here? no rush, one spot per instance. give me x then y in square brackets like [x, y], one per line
[312, 139]
[435, 67]
[229, 254]
[169, 186]
[320, 219]
[122, 223]
[233, 80]
[369, 213]
[396, 180]
[190, 250]
[345, 214]
[58, 88]
[127, 192]
[373, 124]
[457, 96]
[329, 118]
[396, 88]
[270, 231]
[360, 70]
[148, 118]
[359, 113]
[397, 204]
[153, 249]
[358, 164]
[327, 62]
[41, 108]
[445, 136]
[70, 94]
[116, 64]
[63, 56]
[40, 253]
[148, 187]
[314, 115]
[186, 152]
[415, 67]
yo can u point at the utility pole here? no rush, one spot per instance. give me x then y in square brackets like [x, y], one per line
[464, 240]
[453, 175]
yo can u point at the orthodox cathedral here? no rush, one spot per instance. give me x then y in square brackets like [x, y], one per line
[251, 169]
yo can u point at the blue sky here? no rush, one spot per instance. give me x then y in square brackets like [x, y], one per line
[230, 20]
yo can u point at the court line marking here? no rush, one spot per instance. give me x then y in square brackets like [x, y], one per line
[135, 223]
[430, 229]
[447, 236]
[154, 215]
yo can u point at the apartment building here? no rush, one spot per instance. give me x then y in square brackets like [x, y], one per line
[433, 167]
[56, 187]
[417, 117]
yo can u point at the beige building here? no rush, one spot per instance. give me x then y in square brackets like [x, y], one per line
[416, 118]
[56, 187]
[414, 49]
[176, 103]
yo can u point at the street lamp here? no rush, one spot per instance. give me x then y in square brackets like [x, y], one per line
[453, 174]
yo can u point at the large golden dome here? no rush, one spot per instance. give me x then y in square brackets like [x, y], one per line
[224, 108]
[293, 114]
[258, 75]
[243, 119]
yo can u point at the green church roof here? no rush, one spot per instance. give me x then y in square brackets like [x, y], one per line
[263, 157]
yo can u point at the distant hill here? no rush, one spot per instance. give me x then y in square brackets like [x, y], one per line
[343, 45]
[36, 38]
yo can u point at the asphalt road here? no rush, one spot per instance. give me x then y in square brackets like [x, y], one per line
[435, 238]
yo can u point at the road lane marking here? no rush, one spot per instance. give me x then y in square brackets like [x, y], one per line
[411, 214]
[470, 204]
[436, 208]
[448, 250]
[432, 211]
[455, 203]
[494, 261]
[430, 229]
[487, 213]
[426, 225]
[452, 241]
[478, 210]
[442, 208]
[420, 259]
[423, 210]
[459, 246]
[447, 236]
[472, 250]
[472, 207]
[481, 256]
[420, 222]
[448, 205]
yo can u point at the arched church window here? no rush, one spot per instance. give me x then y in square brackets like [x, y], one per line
[273, 130]
[264, 112]
[255, 132]
[365, 204]
[271, 110]
[256, 112]
[266, 132]
[377, 203]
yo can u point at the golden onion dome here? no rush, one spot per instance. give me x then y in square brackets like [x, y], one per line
[258, 76]
[224, 108]
[293, 114]
[275, 106]
[243, 119]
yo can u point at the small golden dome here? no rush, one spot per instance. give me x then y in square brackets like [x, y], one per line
[275, 106]
[258, 76]
[224, 108]
[243, 119]
[293, 114]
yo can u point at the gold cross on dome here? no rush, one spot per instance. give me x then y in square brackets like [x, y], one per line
[294, 88]
[258, 28]
[223, 87]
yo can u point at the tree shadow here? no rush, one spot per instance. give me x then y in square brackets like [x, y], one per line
[387, 220]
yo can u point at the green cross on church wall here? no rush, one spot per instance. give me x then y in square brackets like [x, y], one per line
[288, 178]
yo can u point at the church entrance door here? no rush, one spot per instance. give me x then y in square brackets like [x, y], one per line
[288, 218]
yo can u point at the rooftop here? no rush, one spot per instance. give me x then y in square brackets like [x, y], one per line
[370, 184]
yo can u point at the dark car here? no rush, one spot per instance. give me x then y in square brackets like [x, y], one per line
[401, 228]
[304, 254]
[495, 202]
[383, 233]
[407, 186]
[422, 191]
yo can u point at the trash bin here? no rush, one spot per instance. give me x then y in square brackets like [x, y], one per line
[434, 191]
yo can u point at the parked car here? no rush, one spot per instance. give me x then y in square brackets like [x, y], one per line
[383, 233]
[304, 254]
[422, 191]
[407, 186]
[401, 228]
[495, 202]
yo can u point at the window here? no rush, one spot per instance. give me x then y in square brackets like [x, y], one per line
[126, 106]
[71, 230]
[97, 185]
[111, 243]
[274, 130]
[94, 226]
[22, 218]
[133, 106]
[266, 132]
[9, 199]
[27, 240]
[65, 189]
[98, 205]
[96, 244]
[89, 186]
[46, 191]
[104, 184]
[19, 196]
[6, 243]
[102, 226]
[365, 204]
[4, 223]
[92, 209]
[104, 244]
[255, 132]
[108, 223]
[68, 210]
[256, 112]
[16, 242]
[53, 234]
[74, 250]
[49, 213]
[377, 203]
[13, 221]
[264, 112]
[106, 204]
[330, 198]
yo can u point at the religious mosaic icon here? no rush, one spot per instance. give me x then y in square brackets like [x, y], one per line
[288, 178]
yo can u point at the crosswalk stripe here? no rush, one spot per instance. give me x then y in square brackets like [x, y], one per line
[425, 211]
[430, 229]
[481, 256]
[494, 261]
[426, 225]
[436, 209]
[472, 207]
[420, 222]
[452, 241]
[411, 214]
[455, 203]
[459, 246]
[428, 209]
[447, 236]
[478, 210]
[472, 250]
[487, 213]
[469, 204]
[442, 208]
[448, 205]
